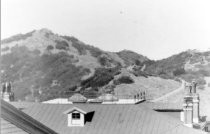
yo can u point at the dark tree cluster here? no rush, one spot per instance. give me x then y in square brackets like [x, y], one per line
[101, 77]
[124, 80]
[61, 45]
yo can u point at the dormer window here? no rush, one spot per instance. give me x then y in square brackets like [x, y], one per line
[75, 117]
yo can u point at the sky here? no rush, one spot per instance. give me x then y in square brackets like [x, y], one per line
[154, 28]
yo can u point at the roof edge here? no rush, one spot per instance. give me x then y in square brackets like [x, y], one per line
[73, 109]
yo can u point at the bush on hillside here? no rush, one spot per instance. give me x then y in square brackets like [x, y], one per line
[179, 71]
[123, 80]
[138, 63]
[101, 77]
[138, 73]
[50, 47]
[61, 45]
[104, 61]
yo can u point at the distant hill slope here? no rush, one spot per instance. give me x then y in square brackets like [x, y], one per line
[189, 65]
[43, 62]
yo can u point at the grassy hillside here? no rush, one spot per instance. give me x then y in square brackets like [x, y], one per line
[43, 65]
[189, 65]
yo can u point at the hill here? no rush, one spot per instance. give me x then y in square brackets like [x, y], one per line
[43, 65]
[189, 65]
[42, 62]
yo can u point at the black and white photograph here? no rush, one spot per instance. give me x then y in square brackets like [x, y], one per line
[105, 67]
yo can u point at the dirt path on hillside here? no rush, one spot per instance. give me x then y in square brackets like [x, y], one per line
[164, 97]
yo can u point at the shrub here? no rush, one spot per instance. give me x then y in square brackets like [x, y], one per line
[179, 71]
[62, 45]
[138, 63]
[101, 77]
[103, 61]
[123, 80]
[72, 88]
[138, 73]
[50, 47]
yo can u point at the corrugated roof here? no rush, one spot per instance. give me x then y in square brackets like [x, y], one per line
[23, 104]
[9, 128]
[16, 120]
[163, 106]
[109, 119]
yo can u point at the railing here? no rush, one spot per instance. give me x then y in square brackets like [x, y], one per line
[93, 95]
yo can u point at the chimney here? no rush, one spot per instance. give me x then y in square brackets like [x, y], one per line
[7, 94]
[196, 101]
[188, 111]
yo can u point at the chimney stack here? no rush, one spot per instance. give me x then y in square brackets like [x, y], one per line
[196, 101]
[188, 111]
[191, 105]
[6, 93]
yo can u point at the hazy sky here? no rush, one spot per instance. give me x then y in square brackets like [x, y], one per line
[155, 28]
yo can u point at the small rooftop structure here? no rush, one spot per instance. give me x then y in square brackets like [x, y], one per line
[108, 98]
[78, 98]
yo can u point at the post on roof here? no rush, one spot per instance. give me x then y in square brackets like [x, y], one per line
[138, 96]
[3, 88]
[194, 85]
[144, 95]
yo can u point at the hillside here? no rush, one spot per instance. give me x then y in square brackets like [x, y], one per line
[43, 65]
[189, 65]
[41, 62]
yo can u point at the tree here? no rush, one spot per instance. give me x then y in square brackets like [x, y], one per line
[50, 47]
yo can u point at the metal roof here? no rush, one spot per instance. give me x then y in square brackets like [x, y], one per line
[109, 119]
[9, 128]
[163, 106]
[14, 119]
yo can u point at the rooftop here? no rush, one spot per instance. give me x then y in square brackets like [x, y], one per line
[110, 118]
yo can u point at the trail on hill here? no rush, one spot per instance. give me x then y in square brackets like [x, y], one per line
[164, 97]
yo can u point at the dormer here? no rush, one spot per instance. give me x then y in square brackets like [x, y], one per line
[76, 117]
